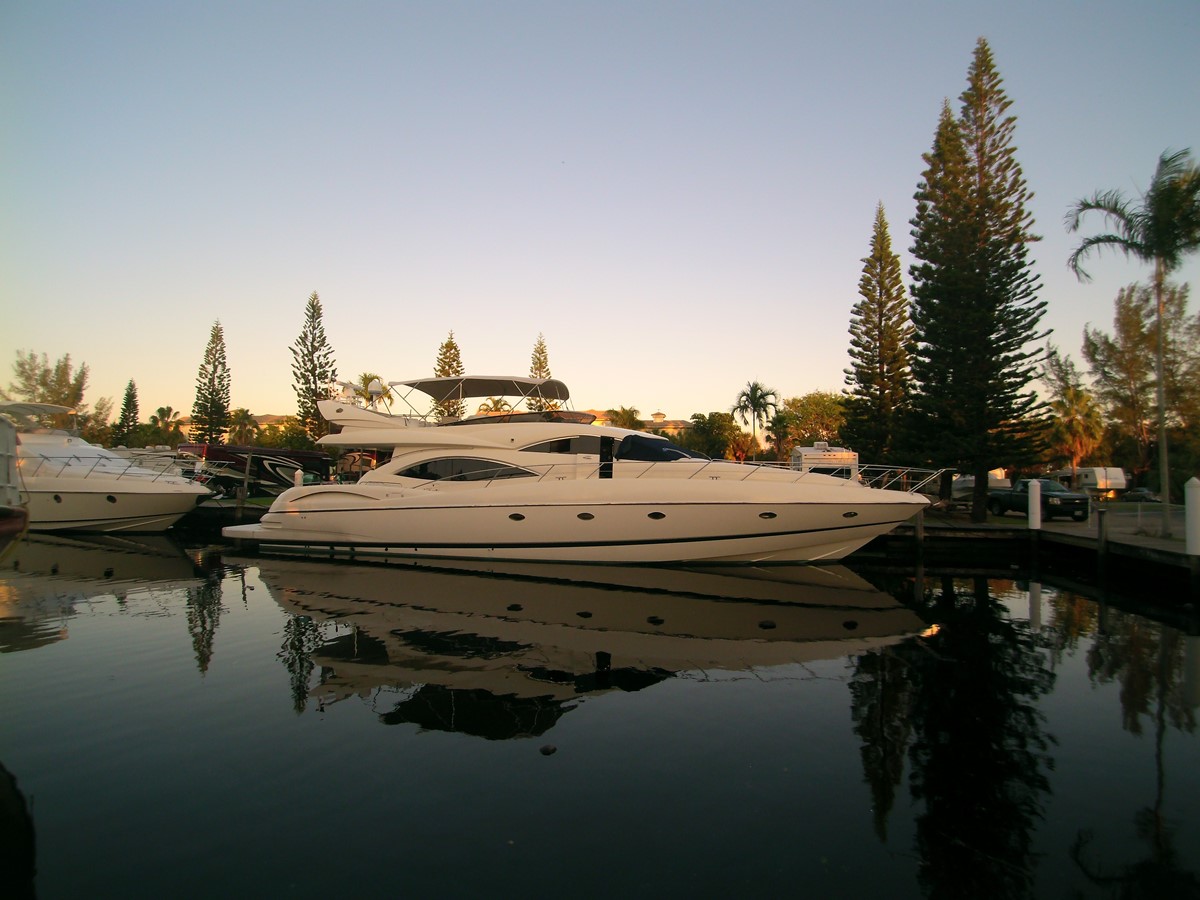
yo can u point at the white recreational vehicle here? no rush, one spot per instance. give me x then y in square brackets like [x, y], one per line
[822, 458]
[1099, 481]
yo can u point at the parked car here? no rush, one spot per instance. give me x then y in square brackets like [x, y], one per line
[1140, 495]
[1056, 500]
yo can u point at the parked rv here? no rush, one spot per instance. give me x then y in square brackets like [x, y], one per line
[1099, 482]
[822, 458]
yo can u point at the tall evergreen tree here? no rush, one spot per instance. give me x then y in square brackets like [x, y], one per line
[313, 370]
[539, 367]
[128, 419]
[210, 412]
[449, 364]
[975, 308]
[878, 378]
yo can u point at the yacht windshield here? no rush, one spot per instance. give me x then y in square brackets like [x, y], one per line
[642, 448]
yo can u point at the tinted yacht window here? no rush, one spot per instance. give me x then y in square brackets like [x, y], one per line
[648, 449]
[462, 468]
[583, 443]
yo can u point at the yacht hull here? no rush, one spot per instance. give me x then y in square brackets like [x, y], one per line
[94, 506]
[600, 522]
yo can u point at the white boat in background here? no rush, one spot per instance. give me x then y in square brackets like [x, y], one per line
[70, 485]
[538, 482]
[14, 517]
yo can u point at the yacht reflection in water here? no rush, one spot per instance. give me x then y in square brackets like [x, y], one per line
[504, 650]
[49, 574]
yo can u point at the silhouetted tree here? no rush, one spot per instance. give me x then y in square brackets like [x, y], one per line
[975, 310]
[210, 412]
[128, 419]
[539, 367]
[879, 377]
[449, 364]
[313, 370]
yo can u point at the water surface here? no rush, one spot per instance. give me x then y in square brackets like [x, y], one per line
[198, 724]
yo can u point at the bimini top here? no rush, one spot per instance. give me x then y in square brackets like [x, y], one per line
[28, 415]
[461, 387]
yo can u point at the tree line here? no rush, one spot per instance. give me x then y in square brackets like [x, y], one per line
[943, 373]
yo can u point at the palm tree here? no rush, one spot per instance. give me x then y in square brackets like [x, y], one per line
[368, 382]
[494, 405]
[1162, 229]
[755, 405]
[242, 427]
[168, 428]
[779, 434]
[1078, 427]
[624, 417]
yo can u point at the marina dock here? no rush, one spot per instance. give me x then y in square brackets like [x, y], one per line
[1117, 541]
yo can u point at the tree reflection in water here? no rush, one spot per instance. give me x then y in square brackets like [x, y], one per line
[1149, 661]
[301, 637]
[964, 700]
[203, 617]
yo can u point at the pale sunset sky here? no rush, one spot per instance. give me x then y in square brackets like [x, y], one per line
[678, 195]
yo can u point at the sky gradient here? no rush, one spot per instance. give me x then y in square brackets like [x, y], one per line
[677, 195]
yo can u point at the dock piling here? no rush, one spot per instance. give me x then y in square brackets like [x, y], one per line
[1191, 525]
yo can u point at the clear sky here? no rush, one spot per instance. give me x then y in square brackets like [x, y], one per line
[677, 194]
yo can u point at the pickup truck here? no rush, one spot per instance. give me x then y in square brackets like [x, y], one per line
[1056, 500]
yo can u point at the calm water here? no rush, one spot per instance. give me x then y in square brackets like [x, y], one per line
[201, 725]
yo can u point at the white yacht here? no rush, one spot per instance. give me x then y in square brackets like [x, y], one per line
[14, 517]
[538, 482]
[71, 485]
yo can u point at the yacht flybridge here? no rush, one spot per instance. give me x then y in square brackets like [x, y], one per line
[532, 480]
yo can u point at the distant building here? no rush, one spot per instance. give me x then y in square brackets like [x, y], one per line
[657, 422]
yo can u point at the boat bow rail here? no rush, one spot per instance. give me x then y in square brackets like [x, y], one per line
[75, 466]
[909, 479]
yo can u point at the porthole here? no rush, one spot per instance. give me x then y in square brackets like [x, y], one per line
[516, 517]
[57, 498]
[655, 620]
[766, 625]
[766, 515]
[584, 614]
[111, 499]
[587, 517]
[515, 607]
[657, 515]
[849, 515]
[850, 625]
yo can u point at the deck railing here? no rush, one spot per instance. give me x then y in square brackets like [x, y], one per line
[73, 466]
[892, 478]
